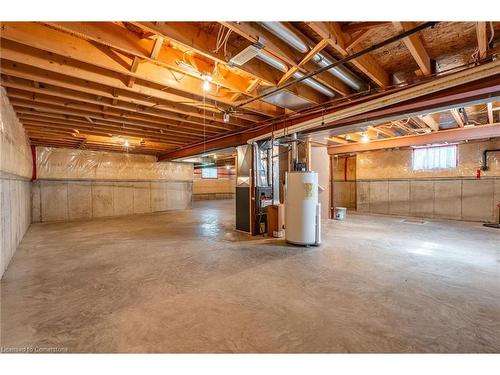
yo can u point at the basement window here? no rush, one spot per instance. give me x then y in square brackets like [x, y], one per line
[437, 157]
[209, 172]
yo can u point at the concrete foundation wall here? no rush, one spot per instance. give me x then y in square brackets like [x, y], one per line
[69, 200]
[15, 215]
[445, 198]
[207, 189]
[15, 186]
[345, 194]
[387, 184]
[83, 184]
[222, 187]
[344, 188]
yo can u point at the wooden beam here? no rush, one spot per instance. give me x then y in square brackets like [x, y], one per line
[37, 66]
[482, 39]
[313, 52]
[451, 135]
[335, 139]
[187, 62]
[71, 88]
[101, 130]
[252, 86]
[338, 40]
[430, 122]
[416, 47]
[156, 48]
[66, 45]
[121, 111]
[489, 70]
[192, 38]
[462, 87]
[308, 56]
[384, 132]
[457, 117]
[113, 112]
[43, 109]
[43, 127]
[133, 69]
[357, 39]
[352, 27]
[283, 52]
[489, 108]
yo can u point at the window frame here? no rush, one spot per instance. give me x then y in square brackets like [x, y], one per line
[210, 178]
[438, 167]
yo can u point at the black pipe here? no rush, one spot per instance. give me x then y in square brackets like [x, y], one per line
[396, 38]
[484, 167]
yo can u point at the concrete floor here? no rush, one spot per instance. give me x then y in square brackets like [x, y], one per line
[186, 282]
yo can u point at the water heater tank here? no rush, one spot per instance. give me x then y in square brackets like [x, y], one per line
[302, 211]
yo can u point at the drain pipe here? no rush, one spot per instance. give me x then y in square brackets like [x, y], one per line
[484, 167]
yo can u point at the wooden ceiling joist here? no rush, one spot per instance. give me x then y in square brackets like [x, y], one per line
[352, 27]
[416, 47]
[72, 88]
[102, 131]
[91, 84]
[482, 39]
[451, 135]
[338, 39]
[430, 122]
[53, 109]
[282, 51]
[457, 117]
[68, 46]
[489, 109]
[111, 111]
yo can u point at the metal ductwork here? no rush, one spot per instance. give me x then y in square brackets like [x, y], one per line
[343, 74]
[315, 85]
[270, 60]
[278, 29]
[282, 32]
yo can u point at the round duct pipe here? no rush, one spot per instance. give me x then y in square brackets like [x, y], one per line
[278, 29]
[282, 32]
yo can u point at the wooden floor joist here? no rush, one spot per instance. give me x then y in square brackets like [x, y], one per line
[92, 81]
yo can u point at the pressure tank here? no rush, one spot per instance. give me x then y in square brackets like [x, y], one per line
[302, 211]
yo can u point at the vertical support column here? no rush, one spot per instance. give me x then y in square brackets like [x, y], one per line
[33, 157]
[331, 211]
[308, 155]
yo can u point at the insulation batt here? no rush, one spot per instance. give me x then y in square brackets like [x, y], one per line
[60, 163]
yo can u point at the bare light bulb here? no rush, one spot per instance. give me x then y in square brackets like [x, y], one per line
[126, 144]
[365, 139]
[206, 82]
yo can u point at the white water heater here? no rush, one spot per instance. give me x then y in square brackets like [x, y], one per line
[302, 210]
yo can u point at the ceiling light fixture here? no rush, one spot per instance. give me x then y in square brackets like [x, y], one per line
[364, 138]
[126, 144]
[206, 82]
[226, 117]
